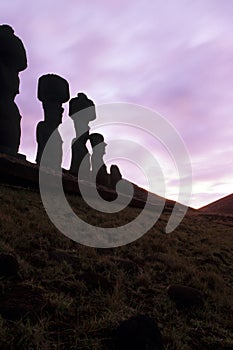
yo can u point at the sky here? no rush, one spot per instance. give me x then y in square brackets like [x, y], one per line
[173, 57]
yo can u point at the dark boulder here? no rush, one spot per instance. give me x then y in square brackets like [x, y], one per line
[9, 265]
[22, 300]
[185, 296]
[138, 333]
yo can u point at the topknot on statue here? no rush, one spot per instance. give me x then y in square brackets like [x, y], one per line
[5, 29]
[96, 139]
[80, 103]
[12, 51]
[52, 87]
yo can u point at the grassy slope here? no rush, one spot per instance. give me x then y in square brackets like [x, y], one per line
[87, 292]
[223, 205]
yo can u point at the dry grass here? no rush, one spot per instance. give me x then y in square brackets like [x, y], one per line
[83, 293]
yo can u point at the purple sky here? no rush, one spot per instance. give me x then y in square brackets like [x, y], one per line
[175, 57]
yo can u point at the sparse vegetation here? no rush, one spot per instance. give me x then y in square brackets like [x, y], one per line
[69, 296]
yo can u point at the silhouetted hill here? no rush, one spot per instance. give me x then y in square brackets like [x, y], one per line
[18, 171]
[221, 206]
[58, 294]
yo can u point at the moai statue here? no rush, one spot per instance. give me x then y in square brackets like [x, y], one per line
[82, 111]
[99, 169]
[115, 176]
[53, 91]
[12, 61]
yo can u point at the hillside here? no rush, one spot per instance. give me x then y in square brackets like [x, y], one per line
[221, 206]
[69, 296]
[17, 171]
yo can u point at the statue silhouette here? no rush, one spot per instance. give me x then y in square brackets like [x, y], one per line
[115, 176]
[82, 111]
[53, 91]
[99, 169]
[12, 61]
